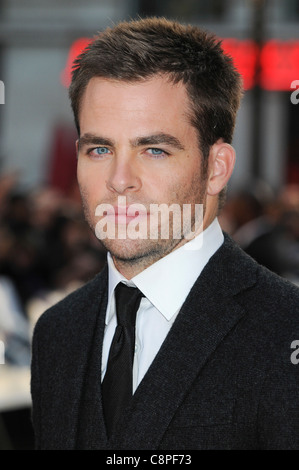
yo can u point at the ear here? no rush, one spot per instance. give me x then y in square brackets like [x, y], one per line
[77, 148]
[221, 164]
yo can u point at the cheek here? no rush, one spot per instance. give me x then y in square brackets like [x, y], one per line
[90, 182]
[188, 187]
[81, 177]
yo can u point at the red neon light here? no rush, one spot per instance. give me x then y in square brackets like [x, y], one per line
[279, 64]
[244, 55]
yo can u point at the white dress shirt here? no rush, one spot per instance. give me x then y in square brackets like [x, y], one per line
[165, 285]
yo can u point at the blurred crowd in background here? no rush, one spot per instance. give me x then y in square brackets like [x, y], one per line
[47, 249]
[266, 226]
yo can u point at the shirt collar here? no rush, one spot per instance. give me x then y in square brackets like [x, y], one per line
[167, 282]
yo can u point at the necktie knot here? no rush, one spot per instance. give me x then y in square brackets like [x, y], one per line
[127, 300]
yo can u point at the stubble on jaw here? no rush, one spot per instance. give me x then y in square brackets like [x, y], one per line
[133, 256]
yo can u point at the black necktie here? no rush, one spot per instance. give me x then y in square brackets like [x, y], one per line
[117, 383]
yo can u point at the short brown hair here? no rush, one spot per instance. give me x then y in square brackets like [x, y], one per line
[137, 50]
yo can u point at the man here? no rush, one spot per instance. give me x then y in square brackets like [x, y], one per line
[155, 104]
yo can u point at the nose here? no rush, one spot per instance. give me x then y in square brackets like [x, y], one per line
[123, 177]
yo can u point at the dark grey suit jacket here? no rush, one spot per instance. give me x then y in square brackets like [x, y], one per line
[223, 378]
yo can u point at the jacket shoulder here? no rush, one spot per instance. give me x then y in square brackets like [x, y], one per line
[261, 289]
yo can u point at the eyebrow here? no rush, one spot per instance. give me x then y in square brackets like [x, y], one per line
[158, 139]
[91, 139]
[154, 139]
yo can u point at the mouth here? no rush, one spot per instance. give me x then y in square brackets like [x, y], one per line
[125, 214]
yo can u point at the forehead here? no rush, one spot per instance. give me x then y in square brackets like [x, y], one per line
[155, 99]
[154, 85]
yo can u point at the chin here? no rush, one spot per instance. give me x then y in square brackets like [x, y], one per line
[137, 250]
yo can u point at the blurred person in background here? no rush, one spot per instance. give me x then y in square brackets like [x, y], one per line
[46, 250]
[14, 325]
[266, 227]
[207, 364]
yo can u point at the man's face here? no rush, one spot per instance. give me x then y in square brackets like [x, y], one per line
[136, 142]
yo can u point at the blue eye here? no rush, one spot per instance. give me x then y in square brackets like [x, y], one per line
[97, 153]
[155, 152]
[101, 150]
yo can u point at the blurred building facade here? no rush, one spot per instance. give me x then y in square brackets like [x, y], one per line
[36, 126]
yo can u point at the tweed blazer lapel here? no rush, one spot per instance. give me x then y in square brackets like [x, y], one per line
[208, 314]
